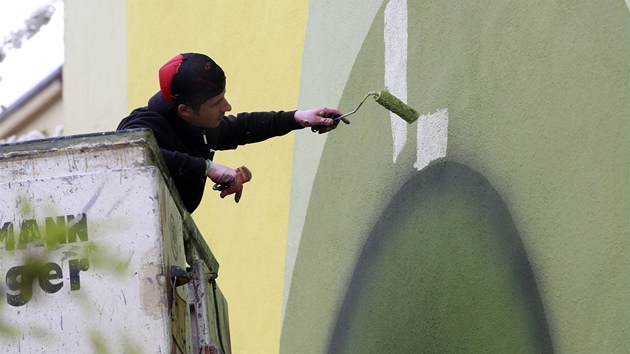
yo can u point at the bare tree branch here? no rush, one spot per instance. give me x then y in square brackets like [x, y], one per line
[32, 25]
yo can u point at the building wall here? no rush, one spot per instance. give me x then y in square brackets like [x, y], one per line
[515, 238]
[39, 116]
[95, 69]
[498, 222]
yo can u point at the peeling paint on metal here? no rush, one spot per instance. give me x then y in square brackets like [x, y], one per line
[37, 183]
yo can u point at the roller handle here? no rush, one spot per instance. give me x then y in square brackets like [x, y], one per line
[335, 118]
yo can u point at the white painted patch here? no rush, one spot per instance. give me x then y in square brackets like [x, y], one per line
[628, 4]
[395, 34]
[432, 138]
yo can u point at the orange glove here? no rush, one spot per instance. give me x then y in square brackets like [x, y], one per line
[228, 181]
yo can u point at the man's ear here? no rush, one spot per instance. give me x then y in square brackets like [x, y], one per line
[183, 111]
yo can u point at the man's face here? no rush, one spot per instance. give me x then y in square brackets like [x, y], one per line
[210, 113]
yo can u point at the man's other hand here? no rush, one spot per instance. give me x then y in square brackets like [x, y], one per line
[230, 181]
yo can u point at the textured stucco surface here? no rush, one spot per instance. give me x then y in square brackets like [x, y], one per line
[443, 271]
[537, 97]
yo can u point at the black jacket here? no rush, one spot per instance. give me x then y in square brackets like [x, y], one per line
[185, 147]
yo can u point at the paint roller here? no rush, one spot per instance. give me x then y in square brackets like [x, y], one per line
[387, 100]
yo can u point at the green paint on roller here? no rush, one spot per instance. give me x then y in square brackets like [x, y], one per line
[398, 107]
[387, 100]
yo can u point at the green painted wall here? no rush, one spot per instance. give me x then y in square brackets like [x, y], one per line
[443, 271]
[515, 241]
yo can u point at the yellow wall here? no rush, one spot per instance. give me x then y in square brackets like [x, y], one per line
[259, 45]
